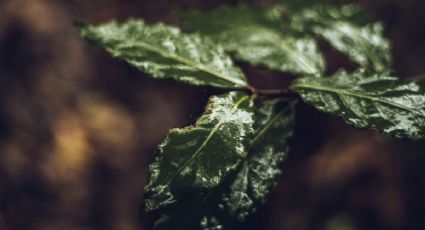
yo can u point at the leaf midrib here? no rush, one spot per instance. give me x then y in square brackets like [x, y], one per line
[189, 62]
[280, 43]
[257, 135]
[276, 40]
[353, 94]
[267, 126]
[210, 135]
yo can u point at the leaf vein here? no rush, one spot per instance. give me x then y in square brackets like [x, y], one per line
[189, 62]
[210, 135]
[356, 94]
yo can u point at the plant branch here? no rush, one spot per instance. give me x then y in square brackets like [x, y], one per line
[270, 92]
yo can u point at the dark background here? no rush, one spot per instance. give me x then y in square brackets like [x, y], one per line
[78, 128]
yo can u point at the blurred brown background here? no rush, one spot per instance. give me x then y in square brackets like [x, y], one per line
[78, 129]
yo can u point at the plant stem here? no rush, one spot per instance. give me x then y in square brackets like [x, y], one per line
[270, 92]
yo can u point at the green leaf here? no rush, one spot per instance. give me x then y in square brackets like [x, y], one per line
[164, 52]
[257, 36]
[258, 174]
[199, 157]
[363, 44]
[245, 189]
[344, 28]
[379, 101]
[309, 12]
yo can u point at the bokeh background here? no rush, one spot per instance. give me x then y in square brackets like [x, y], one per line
[78, 129]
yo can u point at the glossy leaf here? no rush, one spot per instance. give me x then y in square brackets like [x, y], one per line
[259, 37]
[379, 101]
[303, 14]
[199, 157]
[365, 45]
[245, 189]
[345, 29]
[164, 52]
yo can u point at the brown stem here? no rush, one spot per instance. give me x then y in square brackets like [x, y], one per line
[273, 92]
[270, 92]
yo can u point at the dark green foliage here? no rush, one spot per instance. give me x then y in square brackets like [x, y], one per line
[162, 51]
[244, 188]
[258, 36]
[214, 174]
[199, 157]
[379, 101]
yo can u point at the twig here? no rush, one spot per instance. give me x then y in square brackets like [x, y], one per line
[270, 92]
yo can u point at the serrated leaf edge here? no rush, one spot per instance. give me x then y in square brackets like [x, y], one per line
[298, 86]
[255, 138]
[190, 63]
[213, 131]
[279, 42]
[240, 83]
